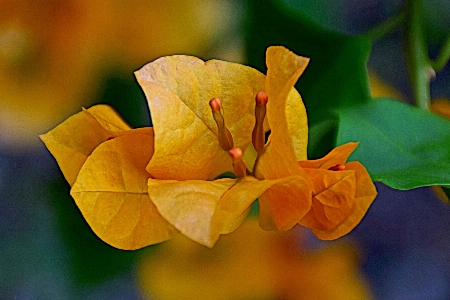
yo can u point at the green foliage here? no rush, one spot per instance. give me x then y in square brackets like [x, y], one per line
[121, 91]
[336, 75]
[321, 137]
[400, 145]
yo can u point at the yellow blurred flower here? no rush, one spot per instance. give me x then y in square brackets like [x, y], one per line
[441, 106]
[53, 53]
[251, 264]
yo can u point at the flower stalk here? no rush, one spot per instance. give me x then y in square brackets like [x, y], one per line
[416, 54]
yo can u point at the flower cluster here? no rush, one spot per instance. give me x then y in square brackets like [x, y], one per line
[137, 187]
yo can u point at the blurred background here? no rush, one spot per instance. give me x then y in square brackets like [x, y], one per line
[59, 56]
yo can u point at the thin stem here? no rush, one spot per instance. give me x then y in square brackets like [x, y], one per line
[386, 26]
[443, 57]
[417, 59]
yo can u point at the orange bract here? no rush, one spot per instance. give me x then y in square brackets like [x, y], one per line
[74, 140]
[137, 187]
[113, 197]
[340, 198]
[283, 206]
[179, 88]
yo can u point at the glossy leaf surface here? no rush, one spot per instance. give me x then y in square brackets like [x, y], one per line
[401, 146]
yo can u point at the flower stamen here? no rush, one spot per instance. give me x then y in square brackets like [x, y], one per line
[338, 167]
[261, 99]
[239, 167]
[224, 135]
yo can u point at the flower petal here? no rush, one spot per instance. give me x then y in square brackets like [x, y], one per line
[364, 196]
[111, 192]
[108, 118]
[249, 157]
[73, 141]
[285, 109]
[279, 158]
[333, 197]
[297, 124]
[187, 146]
[234, 205]
[189, 205]
[285, 203]
[338, 155]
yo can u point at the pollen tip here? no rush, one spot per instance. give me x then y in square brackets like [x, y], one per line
[215, 104]
[261, 98]
[239, 168]
[235, 153]
[338, 167]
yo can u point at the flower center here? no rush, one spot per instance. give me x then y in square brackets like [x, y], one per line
[239, 167]
[224, 135]
[338, 167]
[225, 138]
[260, 113]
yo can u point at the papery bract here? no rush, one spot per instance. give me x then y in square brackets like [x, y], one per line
[111, 192]
[179, 88]
[137, 187]
[282, 187]
[74, 140]
[340, 198]
[188, 148]
[282, 207]
[104, 161]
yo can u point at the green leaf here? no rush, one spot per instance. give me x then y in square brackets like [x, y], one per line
[321, 137]
[400, 145]
[120, 90]
[336, 75]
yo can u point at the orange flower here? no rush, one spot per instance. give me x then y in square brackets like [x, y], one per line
[53, 53]
[441, 106]
[197, 145]
[342, 193]
[104, 161]
[137, 187]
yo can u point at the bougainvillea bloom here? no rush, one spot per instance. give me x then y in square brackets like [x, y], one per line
[137, 187]
[342, 193]
[104, 161]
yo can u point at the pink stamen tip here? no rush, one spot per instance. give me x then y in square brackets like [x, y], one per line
[239, 168]
[215, 104]
[261, 98]
[235, 153]
[338, 167]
